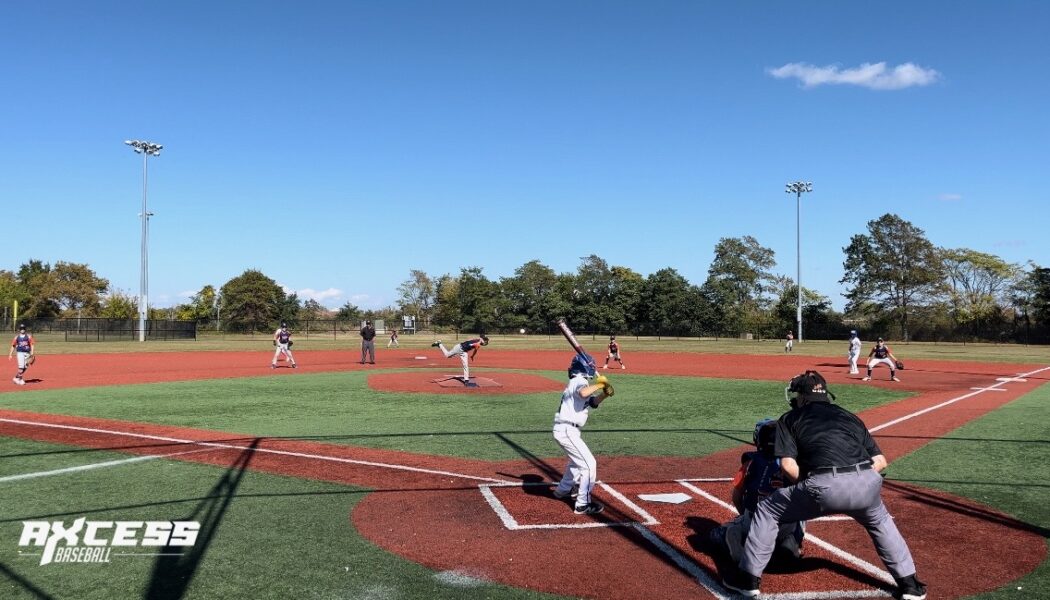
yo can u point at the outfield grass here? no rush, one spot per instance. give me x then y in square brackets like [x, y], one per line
[1000, 460]
[55, 344]
[270, 536]
[660, 416]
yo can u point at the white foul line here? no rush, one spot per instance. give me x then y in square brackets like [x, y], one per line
[101, 465]
[952, 401]
[856, 561]
[259, 450]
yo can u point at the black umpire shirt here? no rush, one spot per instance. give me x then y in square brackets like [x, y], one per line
[822, 434]
[368, 332]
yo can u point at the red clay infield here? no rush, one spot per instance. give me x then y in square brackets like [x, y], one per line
[477, 518]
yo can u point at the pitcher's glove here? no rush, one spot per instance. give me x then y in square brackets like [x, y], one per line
[900, 365]
[290, 342]
[30, 360]
[275, 342]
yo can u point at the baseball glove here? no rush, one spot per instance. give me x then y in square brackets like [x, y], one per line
[608, 390]
[30, 360]
[290, 342]
[275, 342]
[900, 365]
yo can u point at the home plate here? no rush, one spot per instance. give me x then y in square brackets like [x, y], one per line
[675, 498]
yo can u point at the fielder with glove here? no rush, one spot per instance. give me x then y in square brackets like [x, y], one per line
[585, 391]
[25, 347]
[282, 338]
[880, 355]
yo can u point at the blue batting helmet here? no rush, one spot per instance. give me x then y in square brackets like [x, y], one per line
[583, 364]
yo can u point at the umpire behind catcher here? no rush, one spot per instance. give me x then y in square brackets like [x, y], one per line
[831, 454]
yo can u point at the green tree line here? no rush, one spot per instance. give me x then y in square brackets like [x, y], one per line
[898, 284]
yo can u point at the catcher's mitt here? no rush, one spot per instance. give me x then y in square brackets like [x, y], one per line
[30, 360]
[900, 365]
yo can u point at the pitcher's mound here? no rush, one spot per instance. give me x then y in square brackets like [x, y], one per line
[489, 383]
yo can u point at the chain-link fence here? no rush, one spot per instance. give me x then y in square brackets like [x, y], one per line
[107, 330]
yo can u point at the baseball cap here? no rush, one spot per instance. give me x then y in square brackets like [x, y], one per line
[853, 332]
[22, 326]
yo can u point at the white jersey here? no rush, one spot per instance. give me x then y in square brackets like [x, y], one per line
[854, 346]
[574, 407]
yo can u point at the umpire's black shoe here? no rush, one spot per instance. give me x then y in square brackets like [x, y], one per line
[742, 582]
[910, 588]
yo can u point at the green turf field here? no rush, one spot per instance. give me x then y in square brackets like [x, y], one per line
[272, 536]
[208, 341]
[674, 416]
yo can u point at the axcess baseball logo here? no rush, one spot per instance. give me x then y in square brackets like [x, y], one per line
[86, 541]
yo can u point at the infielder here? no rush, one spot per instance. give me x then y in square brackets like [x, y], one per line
[22, 344]
[462, 349]
[789, 342]
[579, 397]
[881, 354]
[282, 338]
[614, 352]
[854, 352]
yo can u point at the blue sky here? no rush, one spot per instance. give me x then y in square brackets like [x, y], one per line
[337, 145]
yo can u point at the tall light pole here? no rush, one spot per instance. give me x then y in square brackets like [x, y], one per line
[797, 188]
[146, 149]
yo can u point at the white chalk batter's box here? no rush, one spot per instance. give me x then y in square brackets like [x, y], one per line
[531, 506]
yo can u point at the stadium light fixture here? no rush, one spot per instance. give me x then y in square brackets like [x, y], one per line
[146, 149]
[798, 188]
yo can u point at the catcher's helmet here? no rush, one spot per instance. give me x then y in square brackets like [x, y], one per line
[765, 435]
[582, 365]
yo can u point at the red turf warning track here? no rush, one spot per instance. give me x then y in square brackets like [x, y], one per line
[441, 518]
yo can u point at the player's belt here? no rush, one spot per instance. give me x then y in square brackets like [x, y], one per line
[576, 425]
[864, 466]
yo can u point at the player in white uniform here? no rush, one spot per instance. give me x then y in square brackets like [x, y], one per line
[789, 342]
[579, 397]
[854, 352]
[282, 338]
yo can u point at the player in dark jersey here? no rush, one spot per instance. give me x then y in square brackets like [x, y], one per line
[24, 346]
[759, 476]
[462, 350]
[881, 354]
[282, 339]
[614, 352]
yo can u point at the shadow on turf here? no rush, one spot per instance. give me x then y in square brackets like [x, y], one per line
[174, 569]
[24, 583]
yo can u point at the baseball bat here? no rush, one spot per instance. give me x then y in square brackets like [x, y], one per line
[564, 327]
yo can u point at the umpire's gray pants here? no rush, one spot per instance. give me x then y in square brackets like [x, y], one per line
[854, 493]
[368, 348]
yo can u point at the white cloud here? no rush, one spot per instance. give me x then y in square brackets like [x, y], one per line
[874, 76]
[320, 295]
[950, 197]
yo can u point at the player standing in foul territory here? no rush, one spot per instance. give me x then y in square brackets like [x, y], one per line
[881, 354]
[789, 342]
[461, 350]
[282, 338]
[22, 344]
[854, 352]
[614, 352]
[579, 397]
